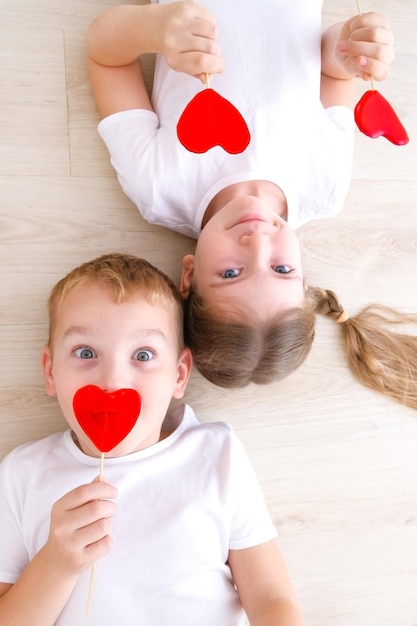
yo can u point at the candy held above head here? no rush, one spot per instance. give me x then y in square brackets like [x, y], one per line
[375, 117]
[210, 120]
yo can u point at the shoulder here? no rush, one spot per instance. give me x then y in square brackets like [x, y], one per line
[25, 456]
[192, 424]
[217, 437]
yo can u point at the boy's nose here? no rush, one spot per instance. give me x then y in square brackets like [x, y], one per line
[112, 378]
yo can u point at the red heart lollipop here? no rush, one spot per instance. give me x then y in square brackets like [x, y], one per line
[375, 117]
[106, 418]
[210, 120]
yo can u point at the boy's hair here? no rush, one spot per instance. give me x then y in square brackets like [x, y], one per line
[125, 275]
[233, 354]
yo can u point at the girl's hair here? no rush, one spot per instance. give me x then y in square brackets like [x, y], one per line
[233, 354]
[125, 275]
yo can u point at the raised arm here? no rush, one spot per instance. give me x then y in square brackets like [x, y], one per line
[184, 32]
[361, 47]
[78, 537]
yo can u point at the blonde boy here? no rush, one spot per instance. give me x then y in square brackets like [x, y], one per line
[178, 528]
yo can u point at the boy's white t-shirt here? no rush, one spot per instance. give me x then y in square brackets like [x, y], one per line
[183, 503]
[271, 51]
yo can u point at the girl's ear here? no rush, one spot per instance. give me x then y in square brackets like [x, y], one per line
[185, 364]
[186, 275]
[47, 371]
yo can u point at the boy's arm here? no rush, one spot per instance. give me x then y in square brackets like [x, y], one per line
[184, 32]
[264, 587]
[361, 47]
[78, 537]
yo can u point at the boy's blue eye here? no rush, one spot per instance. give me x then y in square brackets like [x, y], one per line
[143, 355]
[282, 269]
[85, 353]
[231, 273]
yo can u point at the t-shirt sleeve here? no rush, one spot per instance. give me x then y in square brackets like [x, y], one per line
[342, 117]
[13, 554]
[131, 139]
[251, 523]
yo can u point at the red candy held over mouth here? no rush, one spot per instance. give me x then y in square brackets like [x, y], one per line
[106, 418]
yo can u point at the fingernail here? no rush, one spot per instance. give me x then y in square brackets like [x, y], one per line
[343, 46]
[363, 61]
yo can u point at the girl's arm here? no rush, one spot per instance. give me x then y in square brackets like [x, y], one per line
[184, 32]
[264, 587]
[78, 537]
[363, 46]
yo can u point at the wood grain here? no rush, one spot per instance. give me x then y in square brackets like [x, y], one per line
[337, 462]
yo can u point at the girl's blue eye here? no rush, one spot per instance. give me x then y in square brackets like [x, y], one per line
[282, 269]
[143, 355]
[85, 353]
[232, 273]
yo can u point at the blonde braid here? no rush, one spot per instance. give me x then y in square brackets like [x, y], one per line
[379, 357]
[325, 302]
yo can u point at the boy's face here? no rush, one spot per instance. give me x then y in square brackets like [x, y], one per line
[248, 254]
[133, 344]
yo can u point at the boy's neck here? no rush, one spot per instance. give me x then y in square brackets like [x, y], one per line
[260, 188]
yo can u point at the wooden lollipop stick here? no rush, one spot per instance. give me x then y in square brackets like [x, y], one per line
[100, 476]
[358, 5]
[90, 589]
[93, 567]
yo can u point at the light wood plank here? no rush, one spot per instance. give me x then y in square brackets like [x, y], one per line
[336, 461]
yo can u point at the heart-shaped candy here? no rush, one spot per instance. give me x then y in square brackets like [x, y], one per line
[375, 117]
[106, 418]
[210, 120]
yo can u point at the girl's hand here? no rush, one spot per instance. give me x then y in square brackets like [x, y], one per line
[186, 33]
[366, 46]
[80, 526]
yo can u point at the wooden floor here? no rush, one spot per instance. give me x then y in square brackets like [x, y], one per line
[338, 463]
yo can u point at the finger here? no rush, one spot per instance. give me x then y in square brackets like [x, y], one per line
[95, 551]
[96, 490]
[196, 64]
[88, 535]
[367, 57]
[371, 20]
[198, 11]
[369, 68]
[365, 36]
[68, 523]
[201, 44]
[204, 28]
[376, 52]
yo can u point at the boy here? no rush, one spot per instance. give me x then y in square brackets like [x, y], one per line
[295, 87]
[179, 522]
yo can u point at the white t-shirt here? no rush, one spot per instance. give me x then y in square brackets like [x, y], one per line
[271, 51]
[183, 503]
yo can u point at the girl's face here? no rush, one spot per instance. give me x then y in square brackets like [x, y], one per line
[247, 254]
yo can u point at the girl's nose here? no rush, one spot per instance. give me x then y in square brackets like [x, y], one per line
[255, 239]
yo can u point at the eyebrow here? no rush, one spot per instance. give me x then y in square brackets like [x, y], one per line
[75, 330]
[224, 282]
[144, 333]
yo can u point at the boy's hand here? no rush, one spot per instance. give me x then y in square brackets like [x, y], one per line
[80, 526]
[187, 37]
[366, 46]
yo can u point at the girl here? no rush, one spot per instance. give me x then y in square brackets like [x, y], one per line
[249, 312]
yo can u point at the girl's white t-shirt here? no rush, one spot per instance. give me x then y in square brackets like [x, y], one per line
[271, 51]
